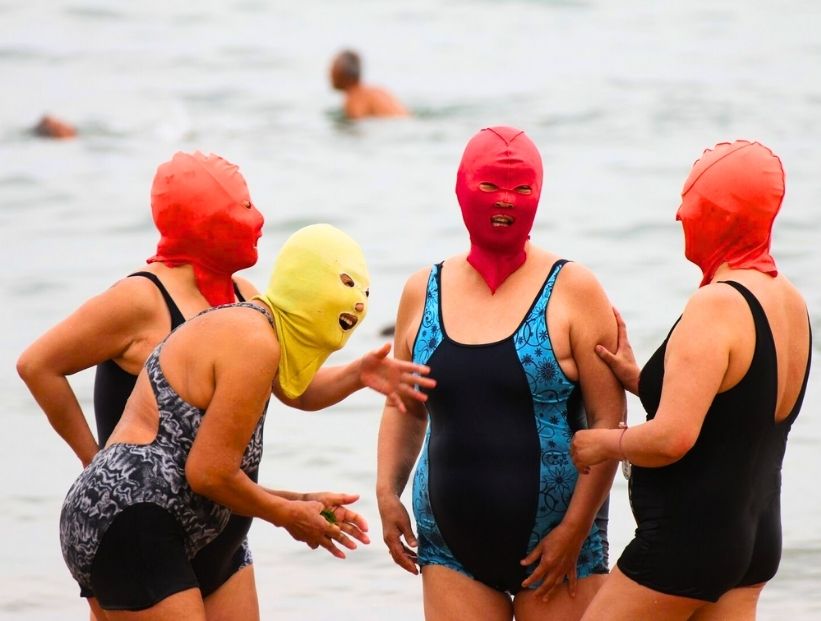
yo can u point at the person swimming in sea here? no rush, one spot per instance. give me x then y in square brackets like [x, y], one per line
[361, 100]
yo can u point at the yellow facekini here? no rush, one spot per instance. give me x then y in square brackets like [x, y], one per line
[318, 295]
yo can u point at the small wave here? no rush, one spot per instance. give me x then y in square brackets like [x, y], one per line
[17, 181]
[95, 12]
[20, 53]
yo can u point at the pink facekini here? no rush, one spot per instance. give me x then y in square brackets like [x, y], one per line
[498, 186]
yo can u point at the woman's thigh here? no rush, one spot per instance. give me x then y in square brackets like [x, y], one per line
[735, 605]
[560, 606]
[236, 599]
[97, 613]
[622, 599]
[451, 596]
[182, 605]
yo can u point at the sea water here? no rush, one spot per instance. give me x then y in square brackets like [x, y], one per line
[621, 98]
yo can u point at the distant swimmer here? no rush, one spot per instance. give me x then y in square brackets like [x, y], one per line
[361, 100]
[52, 127]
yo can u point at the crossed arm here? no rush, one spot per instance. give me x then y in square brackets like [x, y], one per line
[696, 366]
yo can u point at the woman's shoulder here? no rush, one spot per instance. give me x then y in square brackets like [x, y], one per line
[574, 277]
[417, 283]
[716, 311]
[714, 297]
[246, 287]
[241, 330]
[239, 315]
[132, 296]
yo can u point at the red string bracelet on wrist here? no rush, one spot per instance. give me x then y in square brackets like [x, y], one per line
[622, 454]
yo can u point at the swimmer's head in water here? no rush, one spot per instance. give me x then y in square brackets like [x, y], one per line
[346, 70]
[52, 127]
[318, 293]
[205, 217]
[728, 205]
[498, 186]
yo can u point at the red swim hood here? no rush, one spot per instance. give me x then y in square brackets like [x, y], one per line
[728, 205]
[498, 186]
[203, 211]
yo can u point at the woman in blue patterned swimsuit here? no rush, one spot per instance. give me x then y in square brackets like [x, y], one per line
[179, 461]
[508, 331]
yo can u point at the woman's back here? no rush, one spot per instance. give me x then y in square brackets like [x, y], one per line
[786, 313]
[188, 361]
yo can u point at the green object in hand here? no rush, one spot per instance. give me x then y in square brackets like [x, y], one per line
[328, 514]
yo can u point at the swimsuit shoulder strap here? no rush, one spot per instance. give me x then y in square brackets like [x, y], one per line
[177, 317]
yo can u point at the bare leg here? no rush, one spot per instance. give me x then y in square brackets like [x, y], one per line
[622, 599]
[735, 605]
[96, 613]
[236, 600]
[451, 596]
[560, 606]
[183, 605]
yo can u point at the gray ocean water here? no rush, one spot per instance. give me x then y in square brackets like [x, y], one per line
[621, 97]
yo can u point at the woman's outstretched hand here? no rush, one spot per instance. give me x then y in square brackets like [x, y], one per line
[622, 362]
[335, 512]
[394, 378]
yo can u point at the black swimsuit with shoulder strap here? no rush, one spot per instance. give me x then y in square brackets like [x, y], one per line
[113, 385]
[711, 521]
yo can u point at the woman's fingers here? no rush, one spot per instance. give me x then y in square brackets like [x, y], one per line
[348, 522]
[606, 355]
[413, 392]
[354, 531]
[410, 379]
[342, 538]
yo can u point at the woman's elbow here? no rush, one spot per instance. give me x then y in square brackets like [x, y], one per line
[204, 480]
[28, 367]
[301, 403]
[677, 446]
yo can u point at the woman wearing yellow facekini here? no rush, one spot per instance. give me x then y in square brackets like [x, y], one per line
[177, 465]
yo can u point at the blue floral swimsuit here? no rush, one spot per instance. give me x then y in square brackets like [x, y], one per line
[495, 475]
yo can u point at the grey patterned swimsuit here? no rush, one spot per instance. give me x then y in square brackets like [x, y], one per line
[123, 475]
